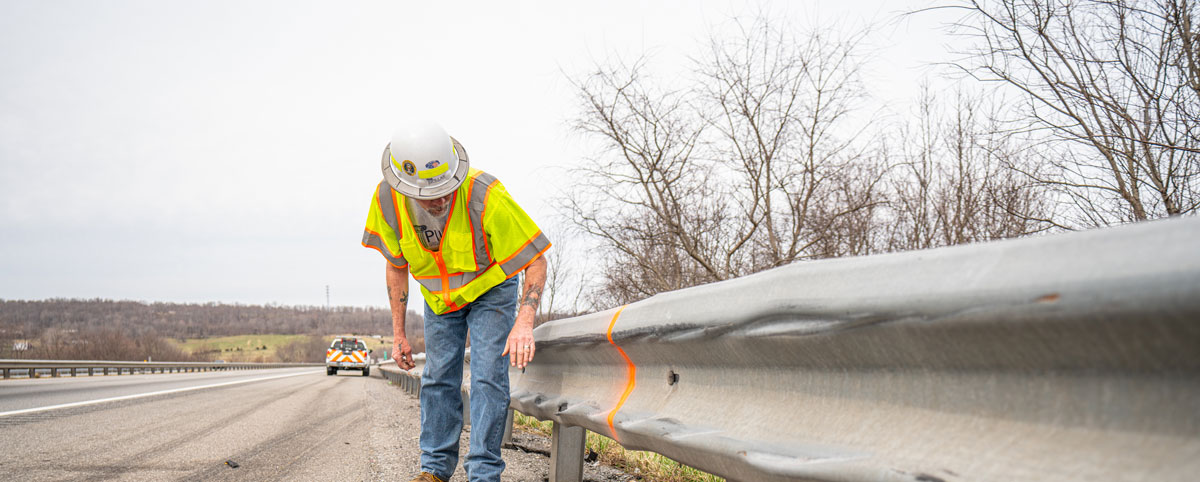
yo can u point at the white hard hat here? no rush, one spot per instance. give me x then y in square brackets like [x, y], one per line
[423, 162]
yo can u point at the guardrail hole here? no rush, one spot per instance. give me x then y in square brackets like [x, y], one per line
[672, 377]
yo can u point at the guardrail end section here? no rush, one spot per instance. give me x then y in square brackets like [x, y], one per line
[566, 453]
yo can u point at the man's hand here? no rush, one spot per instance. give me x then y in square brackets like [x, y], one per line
[402, 353]
[520, 342]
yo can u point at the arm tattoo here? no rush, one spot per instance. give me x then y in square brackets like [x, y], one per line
[403, 295]
[533, 297]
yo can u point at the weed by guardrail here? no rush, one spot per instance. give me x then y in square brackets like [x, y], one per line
[648, 465]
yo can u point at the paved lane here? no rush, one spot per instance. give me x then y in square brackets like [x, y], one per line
[32, 394]
[305, 427]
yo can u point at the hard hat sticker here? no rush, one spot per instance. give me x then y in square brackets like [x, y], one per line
[438, 169]
[409, 167]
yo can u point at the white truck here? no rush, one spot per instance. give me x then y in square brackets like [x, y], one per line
[347, 353]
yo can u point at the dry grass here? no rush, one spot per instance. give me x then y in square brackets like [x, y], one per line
[646, 465]
[239, 348]
[249, 348]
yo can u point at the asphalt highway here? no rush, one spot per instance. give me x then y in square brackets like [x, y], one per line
[294, 424]
[279, 424]
[32, 395]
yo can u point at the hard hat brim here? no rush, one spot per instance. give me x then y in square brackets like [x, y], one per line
[427, 193]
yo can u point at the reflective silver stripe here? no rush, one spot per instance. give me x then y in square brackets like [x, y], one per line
[370, 239]
[387, 205]
[456, 281]
[460, 280]
[530, 251]
[479, 192]
[434, 285]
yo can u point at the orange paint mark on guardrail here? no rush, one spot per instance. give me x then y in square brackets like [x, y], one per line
[632, 375]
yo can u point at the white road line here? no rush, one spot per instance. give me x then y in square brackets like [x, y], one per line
[140, 395]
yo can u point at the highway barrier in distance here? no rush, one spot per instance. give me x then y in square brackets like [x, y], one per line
[31, 368]
[1064, 357]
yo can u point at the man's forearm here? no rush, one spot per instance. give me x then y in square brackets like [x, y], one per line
[397, 289]
[531, 294]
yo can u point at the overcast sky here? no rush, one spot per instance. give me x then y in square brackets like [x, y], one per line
[227, 150]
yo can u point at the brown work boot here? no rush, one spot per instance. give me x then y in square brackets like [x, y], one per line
[427, 477]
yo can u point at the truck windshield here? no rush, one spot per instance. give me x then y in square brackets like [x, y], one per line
[348, 345]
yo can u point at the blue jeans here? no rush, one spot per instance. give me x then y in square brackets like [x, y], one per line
[489, 318]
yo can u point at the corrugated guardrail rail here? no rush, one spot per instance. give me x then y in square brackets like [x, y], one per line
[1066, 357]
[409, 380]
[30, 367]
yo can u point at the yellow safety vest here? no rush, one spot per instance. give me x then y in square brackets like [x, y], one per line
[487, 239]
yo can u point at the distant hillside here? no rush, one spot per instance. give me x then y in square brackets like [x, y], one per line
[34, 324]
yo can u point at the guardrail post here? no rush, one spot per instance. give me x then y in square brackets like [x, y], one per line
[508, 428]
[566, 453]
[53, 372]
[6, 375]
[466, 405]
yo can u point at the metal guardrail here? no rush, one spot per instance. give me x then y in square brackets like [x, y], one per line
[73, 367]
[1066, 357]
[409, 380]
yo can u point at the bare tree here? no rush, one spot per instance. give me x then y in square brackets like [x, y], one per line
[564, 284]
[1181, 19]
[780, 106]
[648, 185]
[1112, 86]
[752, 163]
[956, 181]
